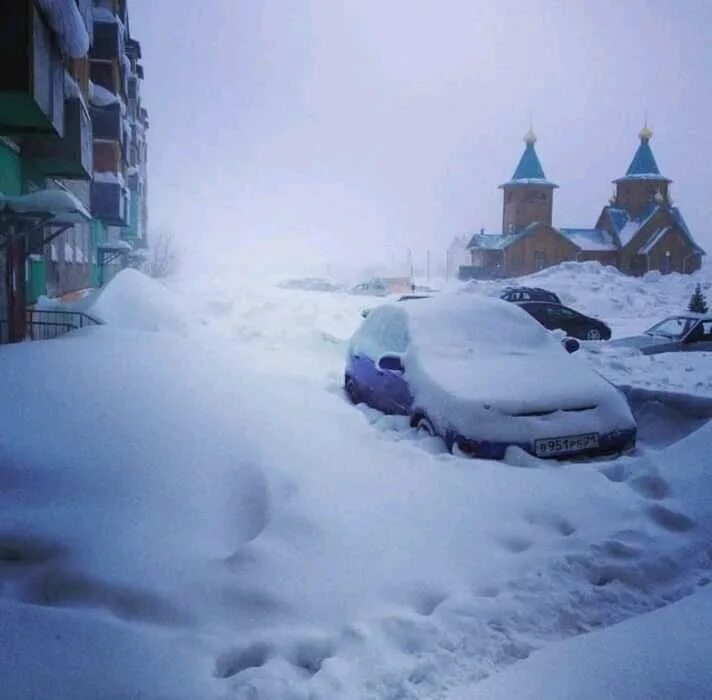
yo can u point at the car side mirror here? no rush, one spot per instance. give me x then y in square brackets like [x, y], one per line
[365, 313]
[571, 345]
[390, 363]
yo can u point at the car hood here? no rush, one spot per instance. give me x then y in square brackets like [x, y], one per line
[643, 341]
[499, 391]
[514, 382]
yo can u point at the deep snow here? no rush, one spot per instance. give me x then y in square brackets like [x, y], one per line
[192, 509]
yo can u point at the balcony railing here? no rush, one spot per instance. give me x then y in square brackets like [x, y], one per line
[108, 203]
[107, 122]
[31, 72]
[70, 156]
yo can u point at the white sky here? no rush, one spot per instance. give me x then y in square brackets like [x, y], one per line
[349, 130]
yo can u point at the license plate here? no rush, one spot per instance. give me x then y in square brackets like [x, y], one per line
[550, 447]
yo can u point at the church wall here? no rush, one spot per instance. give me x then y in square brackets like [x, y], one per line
[635, 195]
[537, 250]
[676, 244]
[526, 204]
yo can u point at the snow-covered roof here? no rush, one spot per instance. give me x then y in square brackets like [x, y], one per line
[60, 206]
[67, 22]
[492, 241]
[626, 226]
[115, 246]
[590, 238]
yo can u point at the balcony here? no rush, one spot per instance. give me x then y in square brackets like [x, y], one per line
[109, 202]
[108, 41]
[70, 156]
[106, 74]
[31, 72]
[107, 157]
[107, 122]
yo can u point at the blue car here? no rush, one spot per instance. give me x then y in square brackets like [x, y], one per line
[484, 375]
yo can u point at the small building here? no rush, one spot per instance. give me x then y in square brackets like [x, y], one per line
[638, 231]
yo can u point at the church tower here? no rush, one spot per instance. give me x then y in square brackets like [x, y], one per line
[642, 184]
[528, 196]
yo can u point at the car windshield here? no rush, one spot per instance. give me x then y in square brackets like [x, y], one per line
[674, 328]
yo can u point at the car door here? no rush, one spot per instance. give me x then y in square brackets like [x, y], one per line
[568, 320]
[383, 332]
[393, 340]
[540, 312]
[699, 338]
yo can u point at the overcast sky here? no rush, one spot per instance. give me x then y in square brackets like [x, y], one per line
[352, 129]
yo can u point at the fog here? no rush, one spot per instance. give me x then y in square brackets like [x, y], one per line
[340, 133]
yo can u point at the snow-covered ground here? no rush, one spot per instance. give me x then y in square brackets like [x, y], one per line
[191, 509]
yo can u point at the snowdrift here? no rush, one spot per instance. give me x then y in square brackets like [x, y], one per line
[179, 523]
[134, 301]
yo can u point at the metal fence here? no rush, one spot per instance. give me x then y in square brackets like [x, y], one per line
[45, 325]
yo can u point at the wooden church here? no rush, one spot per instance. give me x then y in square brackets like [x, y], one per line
[638, 231]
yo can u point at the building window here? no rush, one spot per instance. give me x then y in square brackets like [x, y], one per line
[539, 260]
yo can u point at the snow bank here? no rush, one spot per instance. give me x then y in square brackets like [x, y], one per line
[160, 495]
[628, 304]
[134, 301]
[658, 656]
[178, 523]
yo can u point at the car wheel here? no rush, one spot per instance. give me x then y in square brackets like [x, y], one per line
[424, 427]
[352, 391]
[593, 334]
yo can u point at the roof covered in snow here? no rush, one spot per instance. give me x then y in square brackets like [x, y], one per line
[492, 241]
[590, 238]
[627, 227]
[58, 206]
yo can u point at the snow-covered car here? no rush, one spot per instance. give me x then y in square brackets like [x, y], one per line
[311, 284]
[405, 297]
[685, 332]
[484, 375]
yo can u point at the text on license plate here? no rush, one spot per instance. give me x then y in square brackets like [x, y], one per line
[565, 445]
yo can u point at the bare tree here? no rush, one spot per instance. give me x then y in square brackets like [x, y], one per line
[163, 258]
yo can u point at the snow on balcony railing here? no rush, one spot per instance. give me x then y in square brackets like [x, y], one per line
[68, 24]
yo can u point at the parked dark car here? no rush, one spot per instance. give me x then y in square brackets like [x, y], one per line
[684, 333]
[518, 294]
[573, 323]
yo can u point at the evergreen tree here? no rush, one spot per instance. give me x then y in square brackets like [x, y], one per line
[698, 303]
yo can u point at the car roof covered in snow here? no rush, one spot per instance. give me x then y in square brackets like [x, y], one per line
[691, 315]
[466, 319]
